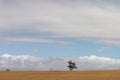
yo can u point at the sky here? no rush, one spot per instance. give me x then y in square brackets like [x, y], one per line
[35, 32]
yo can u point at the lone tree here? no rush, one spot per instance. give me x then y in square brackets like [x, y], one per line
[7, 69]
[71, 65]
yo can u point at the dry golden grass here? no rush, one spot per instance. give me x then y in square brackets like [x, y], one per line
[60, 75]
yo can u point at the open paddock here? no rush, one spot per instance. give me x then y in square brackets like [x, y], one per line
[60, 75]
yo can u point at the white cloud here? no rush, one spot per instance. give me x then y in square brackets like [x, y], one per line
[34, 40]
[102, 49]
[33, 52]
[26, 62]
[91, 20]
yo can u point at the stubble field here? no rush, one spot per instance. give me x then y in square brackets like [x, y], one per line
[60, 75]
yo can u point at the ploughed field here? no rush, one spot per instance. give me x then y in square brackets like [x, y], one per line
[60, 75]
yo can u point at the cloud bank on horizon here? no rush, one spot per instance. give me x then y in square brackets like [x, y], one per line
[26, 62]
[55, 21]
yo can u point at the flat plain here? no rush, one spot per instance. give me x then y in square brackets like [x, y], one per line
[60, 75]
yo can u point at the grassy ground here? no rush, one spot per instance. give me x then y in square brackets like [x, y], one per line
[60, 75]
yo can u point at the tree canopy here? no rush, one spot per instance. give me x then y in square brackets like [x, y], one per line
[72, 65]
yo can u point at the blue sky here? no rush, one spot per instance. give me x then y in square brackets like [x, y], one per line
[60, 28]
[45, 50]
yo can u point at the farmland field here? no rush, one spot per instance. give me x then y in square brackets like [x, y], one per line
[60, 75]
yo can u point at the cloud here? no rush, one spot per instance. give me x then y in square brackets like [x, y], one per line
[33, 52]
[26, 62]
[102, 49]
[91, 20]
[34, 40]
